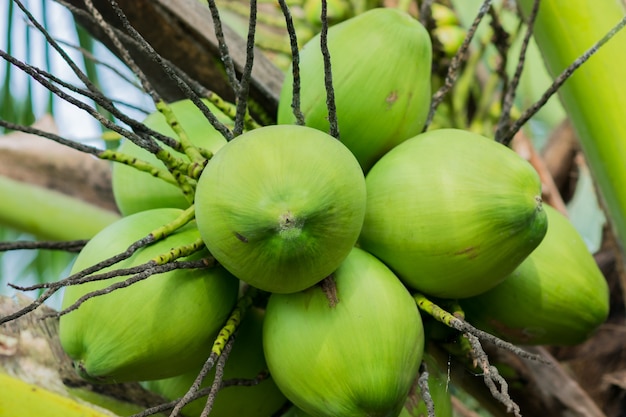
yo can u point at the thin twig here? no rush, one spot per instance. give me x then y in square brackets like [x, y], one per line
[425, 14]
[54, 287]
[219, 376]
[87, 54]
[52, 42]
[140, 138]
[422, 383]
[59, 139]
[462, 326]
[328, 74]
[227, 60]
[167, 69]
[117, 43]
[295, 63]
[219, 126]
[509, 97]
[148, 272]
[558, 82]
[453, 69]
[195, 387]
[244, 87]
[501, 41]
[224, 336]
[68, 246]
[203, 392]
[492, 377]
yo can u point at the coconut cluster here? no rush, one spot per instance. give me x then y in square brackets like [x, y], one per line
[340, 233]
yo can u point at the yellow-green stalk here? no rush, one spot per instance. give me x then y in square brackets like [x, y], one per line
[595, 96]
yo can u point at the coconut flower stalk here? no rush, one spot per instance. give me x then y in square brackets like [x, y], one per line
[595, 95]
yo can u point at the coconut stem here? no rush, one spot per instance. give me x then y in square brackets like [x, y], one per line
[289, 226]
[329, 288]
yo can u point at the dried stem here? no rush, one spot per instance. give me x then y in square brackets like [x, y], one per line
[492, 377]
[328, 74]
[59, 139]
[91, 57]
[152, 237]
[455, 64]
[425, 13]
[117, 43]
[70, 246]
[194, 85]
[295, 63]
[462, 326]
[244, 87]
[219, 376]
[501, 41]
[148, 272]
[422, 383]
[509, 97]
[223, 48]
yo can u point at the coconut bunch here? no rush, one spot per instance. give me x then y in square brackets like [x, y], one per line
[339, 233]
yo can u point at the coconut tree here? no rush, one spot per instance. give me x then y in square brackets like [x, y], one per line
[529, 75]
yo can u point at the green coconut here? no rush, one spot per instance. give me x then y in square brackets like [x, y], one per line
[349, 350]
[154, 328]
[280, 207]
[381, 66]
[557, 296]
[452, 212]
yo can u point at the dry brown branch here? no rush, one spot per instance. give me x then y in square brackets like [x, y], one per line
[182, 32]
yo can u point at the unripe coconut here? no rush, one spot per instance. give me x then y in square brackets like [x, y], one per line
[246, 361]
[281, 206]
[135, 190]
[356, 355]
[381, 64]
[452, 212]
[155, 328]
[557, 296]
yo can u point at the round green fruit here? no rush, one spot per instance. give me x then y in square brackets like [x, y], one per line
[155, 328]
[135, 190]
[351, 350]
[280, 207]
[381, 63]
[557, 296]
[246, 361]
[452, 212]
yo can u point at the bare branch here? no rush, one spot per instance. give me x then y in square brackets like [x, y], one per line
[509, 97]
[453, 69]
[70, 246]
[295, 63]
[223, 48]
[328, 74]
[492, 377]
[422, 383]
[462, 326]
[150, 269]
[219, 376]
[244, 87]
